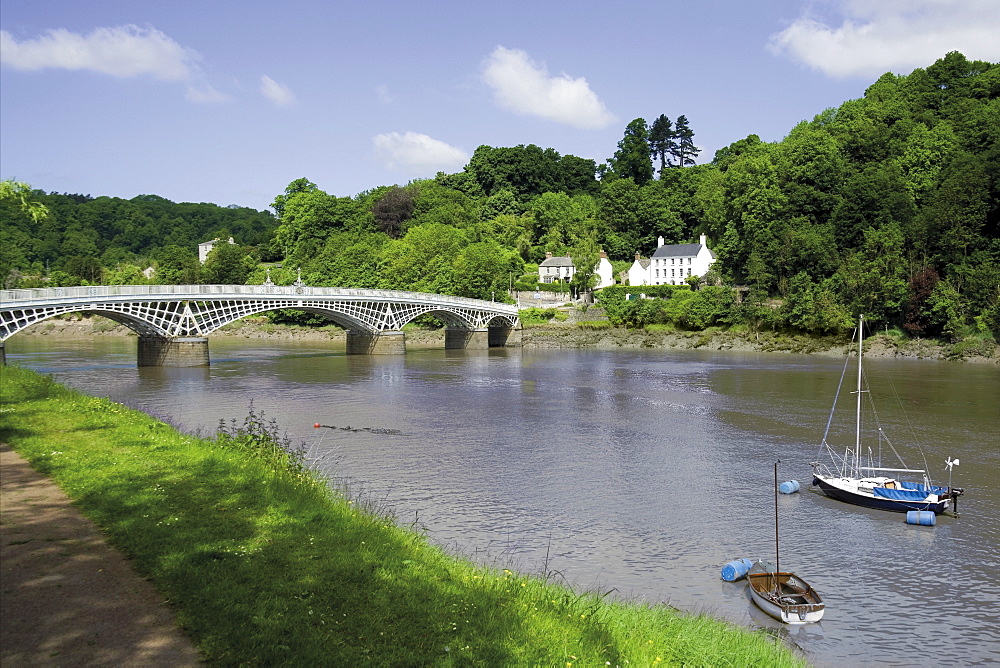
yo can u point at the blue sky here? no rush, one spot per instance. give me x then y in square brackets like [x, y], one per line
[227, 102]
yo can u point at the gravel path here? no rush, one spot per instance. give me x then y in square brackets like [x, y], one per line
[66, 597]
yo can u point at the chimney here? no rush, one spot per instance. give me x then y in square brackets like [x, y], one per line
[701, 240]
[547, 255]
[604, 255]
[637, 256]
[659, 241]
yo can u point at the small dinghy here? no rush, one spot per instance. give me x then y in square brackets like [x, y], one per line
[783, 595]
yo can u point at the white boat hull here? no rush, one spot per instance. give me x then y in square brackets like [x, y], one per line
[853, 490]
[793, 601]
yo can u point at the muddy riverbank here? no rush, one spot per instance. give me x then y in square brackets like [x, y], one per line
[568, 335]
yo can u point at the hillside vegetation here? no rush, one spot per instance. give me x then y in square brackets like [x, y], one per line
[886, 205]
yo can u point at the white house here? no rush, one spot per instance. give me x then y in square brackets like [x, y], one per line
[604, 271]
[205, 247]
[673, 264]
[638, 273]
[555, 269]
[562, 269]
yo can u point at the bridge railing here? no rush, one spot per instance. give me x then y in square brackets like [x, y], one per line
[10, 297]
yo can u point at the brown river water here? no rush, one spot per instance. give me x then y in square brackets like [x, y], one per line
[636, 472]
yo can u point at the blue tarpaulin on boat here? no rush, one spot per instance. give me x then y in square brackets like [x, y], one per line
[900, 494]
[924, 489]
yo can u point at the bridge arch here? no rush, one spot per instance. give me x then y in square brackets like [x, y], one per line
[169, 313]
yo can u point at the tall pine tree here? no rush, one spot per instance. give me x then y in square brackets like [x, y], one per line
[661, 141]
[684, 150]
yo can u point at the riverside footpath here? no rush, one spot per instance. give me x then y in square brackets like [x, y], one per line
[66, 597]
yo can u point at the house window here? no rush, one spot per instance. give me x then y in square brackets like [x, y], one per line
[689, 260]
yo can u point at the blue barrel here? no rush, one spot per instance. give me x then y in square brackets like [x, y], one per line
[736, 569]
[789, 487]
[922, 517]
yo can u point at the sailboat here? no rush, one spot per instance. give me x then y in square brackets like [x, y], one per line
[860, 478]
[783, 595]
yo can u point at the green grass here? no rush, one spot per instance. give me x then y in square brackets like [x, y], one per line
[265, 564]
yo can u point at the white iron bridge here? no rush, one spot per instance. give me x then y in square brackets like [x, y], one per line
[173, 312]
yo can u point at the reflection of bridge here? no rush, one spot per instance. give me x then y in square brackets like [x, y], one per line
[172, 320]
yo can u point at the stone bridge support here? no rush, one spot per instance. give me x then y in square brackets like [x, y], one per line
[456, 338]
[370, 343]
[481, 339]
[504, 336]
[176, 351]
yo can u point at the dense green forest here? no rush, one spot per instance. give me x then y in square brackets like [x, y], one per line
[886, 206]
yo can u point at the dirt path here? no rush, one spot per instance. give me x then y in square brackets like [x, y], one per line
[66, 597]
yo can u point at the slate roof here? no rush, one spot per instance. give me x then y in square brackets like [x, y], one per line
[557, 262]
[680, 250]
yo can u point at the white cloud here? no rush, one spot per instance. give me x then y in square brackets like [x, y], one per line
[877, 36]
[276, 92]
[122, 51]
[525, 87]
[417, 154]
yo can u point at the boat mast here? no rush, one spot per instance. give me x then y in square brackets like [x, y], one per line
[777, 552]
[857, 424]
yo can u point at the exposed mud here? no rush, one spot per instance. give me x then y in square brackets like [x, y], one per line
[569, 335]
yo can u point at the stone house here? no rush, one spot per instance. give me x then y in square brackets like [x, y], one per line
[561, 268]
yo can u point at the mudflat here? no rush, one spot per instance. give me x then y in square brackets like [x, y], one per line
[67, 598]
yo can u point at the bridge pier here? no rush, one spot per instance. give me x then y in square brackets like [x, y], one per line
[456, 338]
[371, 343]
[481, 339]
[504, 336]
[177, 351]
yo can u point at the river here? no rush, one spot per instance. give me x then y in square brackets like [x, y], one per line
[635, 472]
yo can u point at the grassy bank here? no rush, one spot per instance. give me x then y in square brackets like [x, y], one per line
[265, 564]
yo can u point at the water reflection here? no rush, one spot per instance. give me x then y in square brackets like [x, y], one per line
[638, 471]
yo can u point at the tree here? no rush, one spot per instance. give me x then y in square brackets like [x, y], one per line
[22, 194]
[422, 259]
[585, 256]
[685, 151]
[435, 203]
[632, 159]
[392, 210]
[228, 264]
[662, 141]
[619, 216]
[875, 277]
[125, 273]
[350, 259]
[529, 171]
[308, 217]
[296, 187]
[482, 270]
[176, 265]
